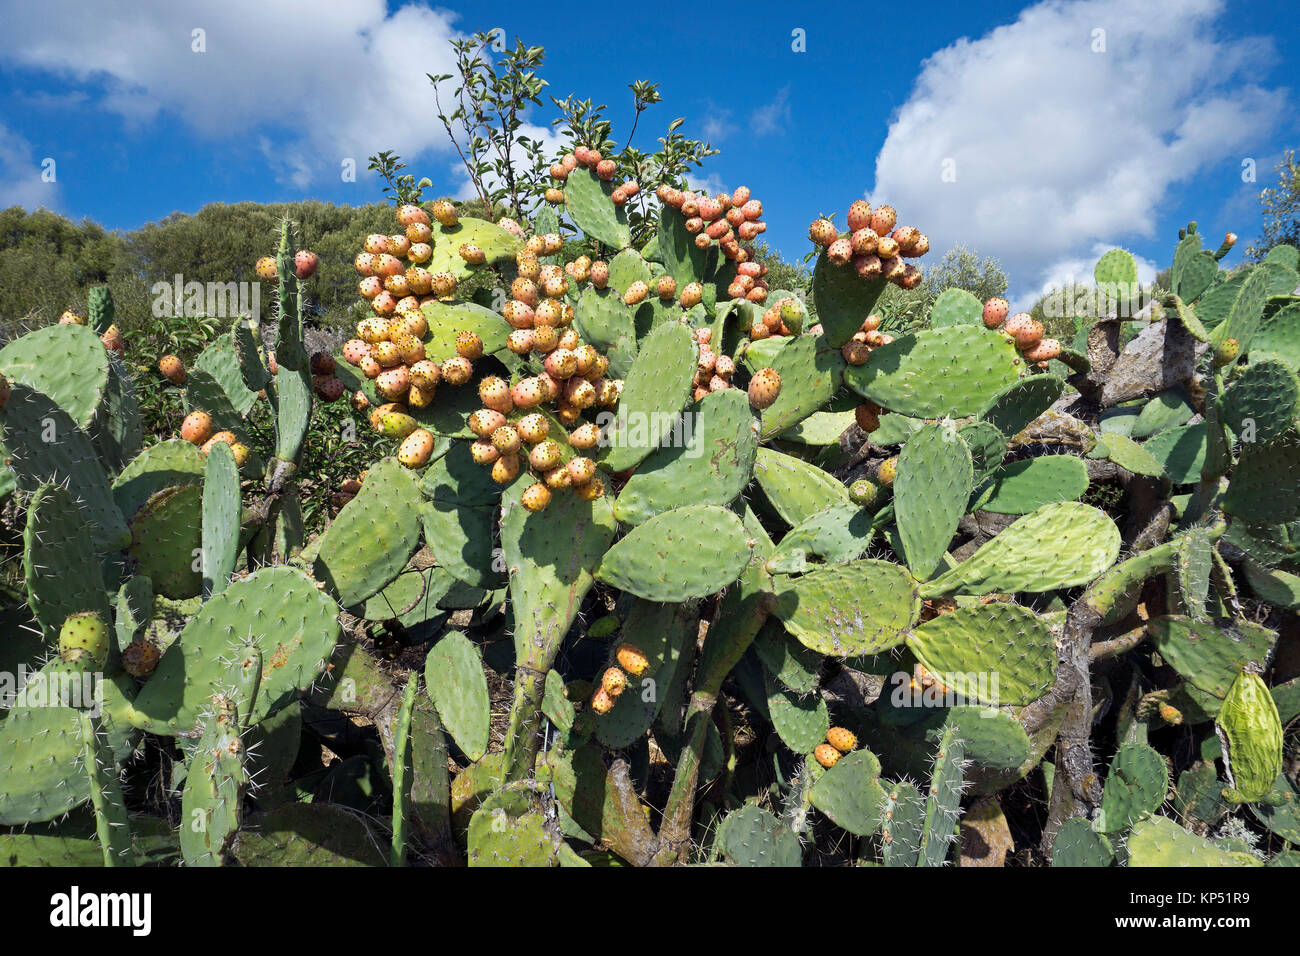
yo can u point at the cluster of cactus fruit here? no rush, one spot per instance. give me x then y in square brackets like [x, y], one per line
[766, 527]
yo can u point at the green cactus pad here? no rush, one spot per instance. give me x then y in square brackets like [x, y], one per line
[937, 373]
[510, 829]
[117, 429]
[62, 573]
[167, 538]
[134, 609]
[664, 633]
[606, 324]
[1180, 452]
[1159, 841]
[1214, 305]
[820, 428]
[592, 797]
[221, 519]
[993, 739]
[850, 793]
[836, 535]
[1198, 797]
[1192, 566]
[1169, 409]
[454, 679]
[1265, 485]
[460, 515]
[45, 447]
[215, 784]
[682, 258]
[1280, 811]
[796, 489]
[372, 538]
[43, 775]
[752, 837]
[586, 197]
[1135, 786]
[811, 373]
[863, 607]
[1058, 546]
[1193, 270]
[956, 307]
[794, 666]
[943, 802]
[970, 648]
[1209, 656]
[448, 319]
[987, 447]
[496, 243]
[294, 624]
[687, 552]
[1078, 844]
[711, 469]
[204, 393]
[800, 721]
[68, 363]
[1182, 312]
[164, 465]
[1243, 317]
[902, 825]
[628, 267]
[844, 299]
[656, 389]
[1019, 487]
[1249, 723]
[1278, 335]
[1262, 401]
[1116, 274]
[308, 835]
[1021, 401]
[221, 361]
[930, 494]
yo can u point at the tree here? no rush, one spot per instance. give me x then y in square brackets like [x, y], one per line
[1280, 207]
[963, 268]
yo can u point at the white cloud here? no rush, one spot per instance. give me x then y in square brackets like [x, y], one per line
[20, 175]
[771, 117]
[308, 85]
[1056, 148]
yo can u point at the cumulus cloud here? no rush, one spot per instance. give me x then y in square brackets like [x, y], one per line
[772, 117]
[20, 174]
[1031, 143]
[308, 85]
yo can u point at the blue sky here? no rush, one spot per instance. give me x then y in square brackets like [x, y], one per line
[1039, 133]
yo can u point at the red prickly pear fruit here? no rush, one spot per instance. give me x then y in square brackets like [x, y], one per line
[506, 439]
[305, 263]
[550, 386]
[636, 293]
[600, 274]
[883, 220]
[666, 286]
[485, 421]
[822, 232]
[585, 436]
[364, 263]
[457, 370]
[591, 490]
[631, 187]
[393, 383]
[752, 209]
[872, 322]
[855, 352]
[370, 287]
[559, 171]
[360, 401]
[409, 215]
[1025, 330]
[1044, 351]
[859, 215]
[740, 196]
[561, 363]
[445, 213]
[536, 497]
[710, 209]
[580, 393]
[139, 658]
[892, 267]
[724, 366]
[613, 681]
[826, 755]
[906, 237]
[995, 312]
[416, 449]
[764, 388]
[483, 451]
[495, 394]
[196, 428]
[569, 162]
[322, 363]
[330, 388]
[519, 314]
[920, 247]
[469, 345]
[841, 739]
[533, 428]
[840, 252]
[527, 393]
[911, 277]
[505, 469]
[546, 455]
[172, 369]
[606, 168]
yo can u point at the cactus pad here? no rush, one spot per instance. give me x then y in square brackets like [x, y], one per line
[1020, 487]
[656, 389]
[1021, 401]
[1000, 651]
[796, 489]
[68, 363]
[930, 494]
[811, 373]
[844, 299]
[587, 199]
[687, 552]
[955, 307]
[453, 676]
[850, 793]
[863, 607]
[752, 837]
[1135, 786]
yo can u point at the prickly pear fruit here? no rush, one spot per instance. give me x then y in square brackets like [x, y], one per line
[536, 497]
[822, 232]
[764, 388]
[841, 739]
[1226, 353]
[601, 702]
[826, 755]
[457, 370]
[632, 659]
[613, 681]
[887, 472]
[84, 633]
[636, 293]
[1044, 351]
[139, 658]
[494, 393]
[266, 270]
[305, 263]
[416, 449]
[469, 345]
[173, 369]
[995, 312]
[445, 213]
[863, 492]
[197, 427]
